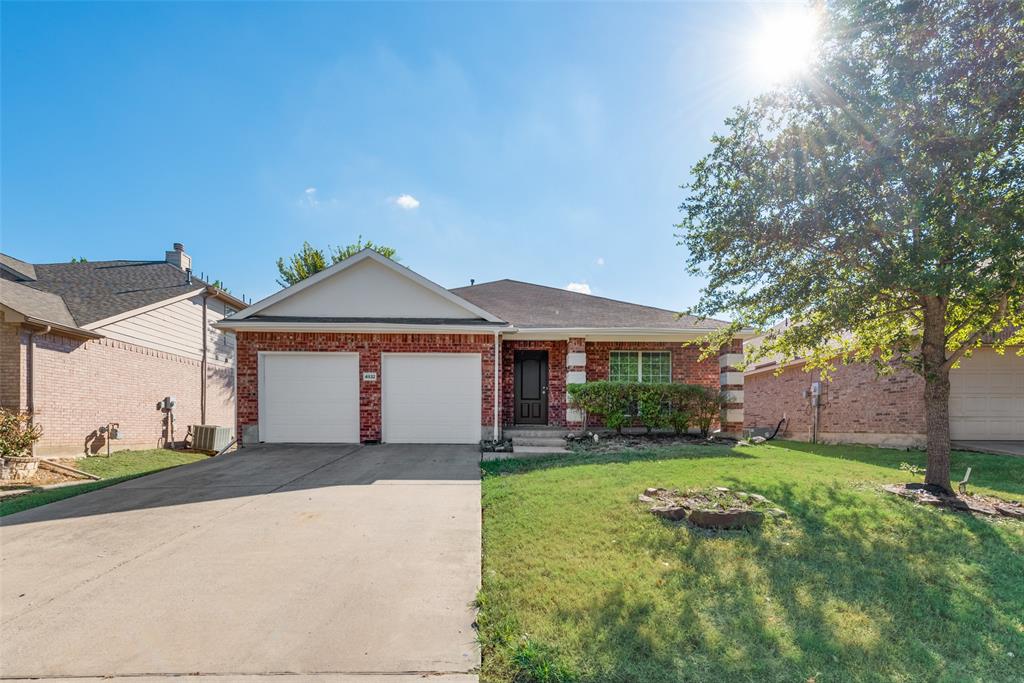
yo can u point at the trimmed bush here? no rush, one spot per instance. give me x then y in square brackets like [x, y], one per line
[650, 405]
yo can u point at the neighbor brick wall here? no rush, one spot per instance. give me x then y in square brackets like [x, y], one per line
[856, 404]
[370, 347]
[82, 385]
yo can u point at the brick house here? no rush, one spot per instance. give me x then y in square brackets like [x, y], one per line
[84, 345]
[368, 350]
[856, 405]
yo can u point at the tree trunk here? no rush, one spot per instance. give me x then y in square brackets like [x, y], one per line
[936, 392]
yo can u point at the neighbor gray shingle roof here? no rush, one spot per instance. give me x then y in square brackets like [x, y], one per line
[20, 269]
[526, 305]
[33, 303]
[96, 290]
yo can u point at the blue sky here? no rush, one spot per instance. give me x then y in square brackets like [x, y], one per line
[541, 142]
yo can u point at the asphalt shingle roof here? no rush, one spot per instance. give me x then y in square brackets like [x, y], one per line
[97, 290]
[35, 304]
[527, 305]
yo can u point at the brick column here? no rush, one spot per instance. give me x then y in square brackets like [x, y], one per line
[575, 373]
[731, 381]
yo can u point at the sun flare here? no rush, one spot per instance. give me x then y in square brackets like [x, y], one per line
[784, 46]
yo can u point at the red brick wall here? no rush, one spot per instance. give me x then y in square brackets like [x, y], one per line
[856, 405]
[557, 351]
[82, 385]
[370, 347]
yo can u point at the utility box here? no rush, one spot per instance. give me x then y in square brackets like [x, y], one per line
[210, 438]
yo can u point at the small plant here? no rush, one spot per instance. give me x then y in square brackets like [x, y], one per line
[707, 406]
[912, 469]
[17, 434]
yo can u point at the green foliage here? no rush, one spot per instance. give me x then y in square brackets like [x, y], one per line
[17, 433]
[311, 260]
[877, 203]
[219, 284]
[80, 259]
[651, 405]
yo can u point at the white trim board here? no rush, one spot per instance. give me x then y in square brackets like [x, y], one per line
[359, 258]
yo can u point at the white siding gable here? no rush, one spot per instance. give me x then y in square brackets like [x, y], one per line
[367, 290]
[177, 328]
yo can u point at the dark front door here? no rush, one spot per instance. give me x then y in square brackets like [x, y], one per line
[531, 376]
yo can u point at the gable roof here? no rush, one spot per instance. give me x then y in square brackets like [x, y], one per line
[35, 304]
[251, 313]
[528, 306]
[96, 291]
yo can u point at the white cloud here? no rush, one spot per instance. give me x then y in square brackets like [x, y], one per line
[407, 202]
[581, 287]
[309, 197]
[599, 261]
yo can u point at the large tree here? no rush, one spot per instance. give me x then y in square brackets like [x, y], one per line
[311, 260]
[877, 201]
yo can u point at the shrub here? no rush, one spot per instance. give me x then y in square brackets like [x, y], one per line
[17, 434]
[707, 406]
[654, 406]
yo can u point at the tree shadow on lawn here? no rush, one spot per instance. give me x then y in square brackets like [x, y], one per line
[576, 458]
[850, 587]
[997, 472]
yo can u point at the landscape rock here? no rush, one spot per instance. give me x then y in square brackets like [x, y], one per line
[669, 511]
[645, 498]
[726, 519]
[778, 512]
[758, 439]
[925, 494]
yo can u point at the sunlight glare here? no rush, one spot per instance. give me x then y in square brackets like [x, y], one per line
[784, 46]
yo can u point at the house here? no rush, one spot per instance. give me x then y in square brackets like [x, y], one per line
[368, 350]
[856, 405]
[87, 345]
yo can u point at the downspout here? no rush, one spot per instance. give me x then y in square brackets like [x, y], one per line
[202, 382]
[497, 387]
[31, 398]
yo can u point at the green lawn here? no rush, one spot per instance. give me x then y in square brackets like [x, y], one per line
[118, 467]
[581, 583]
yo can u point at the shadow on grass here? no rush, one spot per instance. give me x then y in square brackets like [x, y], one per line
[999, 472]
[583, 457]
[842, 590]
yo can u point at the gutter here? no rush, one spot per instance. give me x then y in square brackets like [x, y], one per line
[245, 326]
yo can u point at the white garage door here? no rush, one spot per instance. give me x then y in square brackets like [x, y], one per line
[430, 397]
[987, 397]
[309, 397]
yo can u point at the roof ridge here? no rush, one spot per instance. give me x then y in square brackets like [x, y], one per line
[592, 296]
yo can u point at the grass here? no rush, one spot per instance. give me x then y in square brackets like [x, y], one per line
[119, 467]
[580, 583]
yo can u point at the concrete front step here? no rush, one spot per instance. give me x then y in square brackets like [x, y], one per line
[535, 432]
[518, 441]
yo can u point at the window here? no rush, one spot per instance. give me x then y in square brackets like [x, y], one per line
[640, 366]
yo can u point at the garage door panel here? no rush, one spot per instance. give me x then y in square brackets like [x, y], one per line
[987, 397]
[431, 398]
[309, 398]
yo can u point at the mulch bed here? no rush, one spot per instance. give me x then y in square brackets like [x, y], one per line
[717, 508]
[924, 494]
[610, 443]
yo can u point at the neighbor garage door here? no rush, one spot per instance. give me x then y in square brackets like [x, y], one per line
[309, 397]
[430, 397]
[987, 397]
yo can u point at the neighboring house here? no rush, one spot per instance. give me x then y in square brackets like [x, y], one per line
[856, 405]
[367, 350]
[84, 345]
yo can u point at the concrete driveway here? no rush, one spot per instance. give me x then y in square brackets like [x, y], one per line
[306, 560]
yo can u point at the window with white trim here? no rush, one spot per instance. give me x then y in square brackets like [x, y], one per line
[640, 366]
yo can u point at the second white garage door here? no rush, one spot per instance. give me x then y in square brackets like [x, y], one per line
[987, 397]
[430, 397]
[309, 397]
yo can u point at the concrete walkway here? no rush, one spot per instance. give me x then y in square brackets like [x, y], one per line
[997, 447]
[344, 562]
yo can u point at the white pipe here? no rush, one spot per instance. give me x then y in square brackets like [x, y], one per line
[497, 388]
